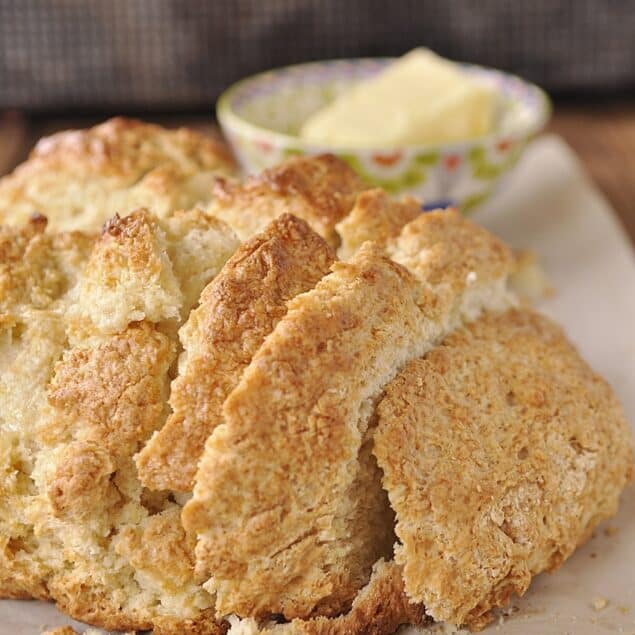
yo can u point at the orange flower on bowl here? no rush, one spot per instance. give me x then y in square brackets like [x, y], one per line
[452, 162]
[503, 145]
[387, 160]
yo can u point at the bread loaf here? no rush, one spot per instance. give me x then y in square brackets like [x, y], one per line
[198, 434]
[81, 178]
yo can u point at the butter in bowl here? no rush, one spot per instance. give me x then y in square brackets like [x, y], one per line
[420, 124]
[419, 99]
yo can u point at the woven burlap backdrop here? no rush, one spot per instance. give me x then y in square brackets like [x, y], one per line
[169, 54]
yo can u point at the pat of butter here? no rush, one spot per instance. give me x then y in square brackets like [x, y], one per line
[419, 99]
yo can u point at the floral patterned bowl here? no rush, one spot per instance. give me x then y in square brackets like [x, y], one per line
[261, 115]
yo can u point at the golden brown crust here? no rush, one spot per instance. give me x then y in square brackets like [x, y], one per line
[306, 394]
[158, 547]
[447, 248]
[90, 604]
[129, 146]
[320, 190]
[377, 217]
[80, 178]
[81, 484]
[304, 404]
[203, 625]
[113, 394]
[236, 312]
[501, 450]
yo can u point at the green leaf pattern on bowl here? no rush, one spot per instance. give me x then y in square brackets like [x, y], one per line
[412, 175]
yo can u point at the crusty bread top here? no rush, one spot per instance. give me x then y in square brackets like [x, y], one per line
[237, 310]
[320, 190]
[130, 147]
[112, 392]
[501, 450]
[295, 423]
[81, 178]
[376, 216]
[291, 440]
[129, 276]
[447, 248]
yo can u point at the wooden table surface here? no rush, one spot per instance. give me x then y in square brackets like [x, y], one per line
[603, 136]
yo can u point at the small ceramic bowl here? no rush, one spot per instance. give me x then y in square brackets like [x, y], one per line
[261, 115]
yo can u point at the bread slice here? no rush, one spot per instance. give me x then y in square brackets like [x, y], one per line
[80, 178]
[501, 451]
[456, 259]
[288, 506]
[76, 525]
[376, 216]
[320, 190]
[236, 312]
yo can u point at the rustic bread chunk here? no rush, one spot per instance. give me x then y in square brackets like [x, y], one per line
[112, 391]
[379, 609]
[76, 525]
[129, 276]
[377, 217]
[146, 269]
[237, 310]
[290, 517]
[320, 190]
[501, 451]
[81, 178]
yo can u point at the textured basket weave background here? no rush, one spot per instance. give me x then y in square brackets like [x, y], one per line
[175, 54]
